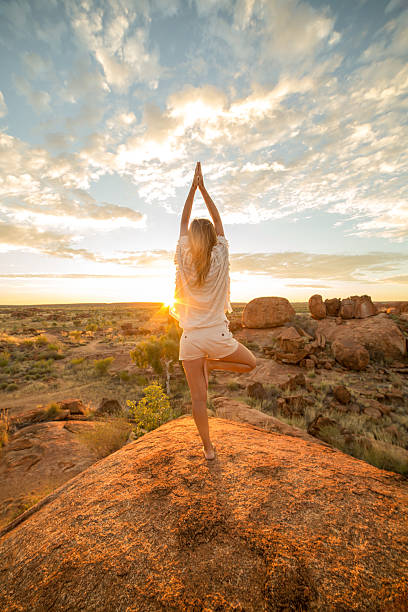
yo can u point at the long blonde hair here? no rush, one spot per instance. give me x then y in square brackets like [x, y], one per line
[202, 238]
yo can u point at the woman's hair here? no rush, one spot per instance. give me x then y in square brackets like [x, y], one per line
[202, 238]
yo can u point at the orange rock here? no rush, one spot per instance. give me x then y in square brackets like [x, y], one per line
[156, 526]
[350, 353]
[267, 312]
[317, 307]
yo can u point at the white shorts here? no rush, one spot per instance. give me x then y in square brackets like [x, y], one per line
[213, 342]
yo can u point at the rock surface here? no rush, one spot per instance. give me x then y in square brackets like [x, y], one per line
[239, 411]
[378, 334]
[350, 354]
[274, 523]
[267, 312]
[41, 456]
[317, 307]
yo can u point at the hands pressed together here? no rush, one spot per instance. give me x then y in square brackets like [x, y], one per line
[198, 180]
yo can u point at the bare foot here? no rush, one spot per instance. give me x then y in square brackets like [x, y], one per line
[210, 454]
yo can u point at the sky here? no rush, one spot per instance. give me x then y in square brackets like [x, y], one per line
[296, 109]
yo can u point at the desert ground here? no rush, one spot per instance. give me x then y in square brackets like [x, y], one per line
[67, 373]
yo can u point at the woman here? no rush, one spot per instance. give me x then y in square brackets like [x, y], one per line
[201, 299]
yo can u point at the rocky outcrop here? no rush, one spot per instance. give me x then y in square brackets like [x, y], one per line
[41, 456]
[155, 526]
[332, 307]
[354, 307]
[317, 307]
[379, 335]
[350, 353]
[238, 411]
[267, 312]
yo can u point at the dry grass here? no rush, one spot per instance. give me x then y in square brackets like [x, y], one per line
[108, 436]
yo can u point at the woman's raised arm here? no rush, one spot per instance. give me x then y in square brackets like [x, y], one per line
[212, 209]
[185, 217]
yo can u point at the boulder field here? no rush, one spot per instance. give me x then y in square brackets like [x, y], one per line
[275, 522]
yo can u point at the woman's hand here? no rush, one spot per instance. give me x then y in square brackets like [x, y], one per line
[196, 179]
[200, 176]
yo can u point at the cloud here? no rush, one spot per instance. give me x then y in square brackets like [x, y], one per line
[39, 100]
[3, 106]
[48, 193]
[366, 267]
[118, 38]
[35, 64]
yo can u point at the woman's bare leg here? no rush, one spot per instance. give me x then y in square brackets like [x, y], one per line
[194, 369]
[241, 360]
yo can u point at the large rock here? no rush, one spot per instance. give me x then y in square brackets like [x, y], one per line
[347, 308]
[317, 307]
[332, 307]
[267, 312]
[363, 306]
[155, 526]
[350, 353]
[39, 457]
[378, 334]
[238, 411]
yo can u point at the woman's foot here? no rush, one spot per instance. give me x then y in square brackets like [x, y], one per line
[209, 454]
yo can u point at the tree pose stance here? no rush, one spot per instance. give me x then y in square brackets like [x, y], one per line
[202, 297]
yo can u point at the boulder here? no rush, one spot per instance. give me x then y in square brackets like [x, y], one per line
[293, 382]
[290, 340]
[317, 307]
[378, 334]
[267, 312]
[108, 406]
[350, 353]
[155, 526]
[332, 307]
[346, 308]
[342, 394]
[319, 423]
[363, 306]
[257, 391]
[75, 406]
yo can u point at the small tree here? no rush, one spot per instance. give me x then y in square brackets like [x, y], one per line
[152, 410]
[160, 353]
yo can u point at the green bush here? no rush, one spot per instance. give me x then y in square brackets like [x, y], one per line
[102, 365]
[77, 360]
[4, 358]
[124, 376]
[152, 410]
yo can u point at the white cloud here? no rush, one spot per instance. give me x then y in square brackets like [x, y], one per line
[39, 100]
[3, 106]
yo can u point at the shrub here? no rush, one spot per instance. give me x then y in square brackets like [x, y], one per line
[152, 410]
[233, 385]
[124, 376]
[77, 360]
[4, 358]
[41, 340]
[52, 411]
[102, 365]
[12, 387]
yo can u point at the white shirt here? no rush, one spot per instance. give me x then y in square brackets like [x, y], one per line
[206, 305]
